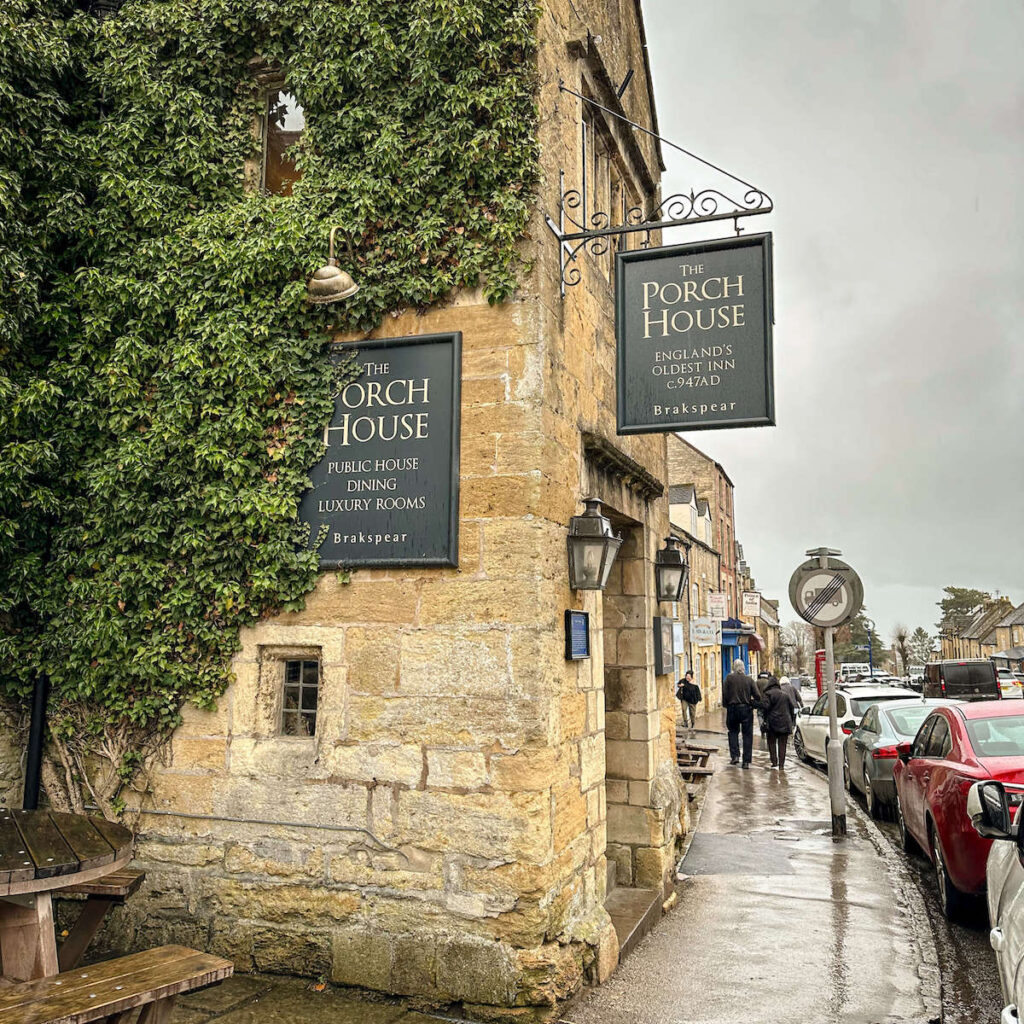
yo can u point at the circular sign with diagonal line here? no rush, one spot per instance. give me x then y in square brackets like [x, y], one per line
[825, 597]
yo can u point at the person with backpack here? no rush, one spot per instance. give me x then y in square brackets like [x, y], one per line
[689, 696]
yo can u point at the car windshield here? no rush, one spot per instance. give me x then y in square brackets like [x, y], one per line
[906, 721]
[997, 737]
[860, 704]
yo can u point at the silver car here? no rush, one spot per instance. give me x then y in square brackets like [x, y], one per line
[871, 749]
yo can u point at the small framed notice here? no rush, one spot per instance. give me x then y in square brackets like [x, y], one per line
[577, 635]
[664, 651]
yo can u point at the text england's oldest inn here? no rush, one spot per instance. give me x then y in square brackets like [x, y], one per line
[431, 779]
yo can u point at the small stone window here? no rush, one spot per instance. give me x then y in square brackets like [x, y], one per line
[284, 123]
[301, 696]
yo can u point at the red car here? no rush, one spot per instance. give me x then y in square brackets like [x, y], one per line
[955, 747]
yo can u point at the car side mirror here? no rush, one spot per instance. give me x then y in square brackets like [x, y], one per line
[989, 810]
[903, 749]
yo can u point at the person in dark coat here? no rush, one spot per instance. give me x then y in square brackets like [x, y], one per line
[779, 722]
[740, 697]
[689, 696]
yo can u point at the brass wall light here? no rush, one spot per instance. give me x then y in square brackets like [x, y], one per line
[670, 571]
[592, 548]
[330, 283]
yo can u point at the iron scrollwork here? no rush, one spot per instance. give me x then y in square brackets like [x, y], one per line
[579, 231]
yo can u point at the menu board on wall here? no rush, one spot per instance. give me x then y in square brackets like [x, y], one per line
[386, 491]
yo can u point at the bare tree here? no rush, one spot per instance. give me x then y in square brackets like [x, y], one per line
[901, 646]
[797, 640]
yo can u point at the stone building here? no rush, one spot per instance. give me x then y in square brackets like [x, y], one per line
[692, 523]
[408, 787]
[689, 465]
[1008, 640]
[978, 639]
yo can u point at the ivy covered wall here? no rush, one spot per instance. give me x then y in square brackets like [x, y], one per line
[163, 385]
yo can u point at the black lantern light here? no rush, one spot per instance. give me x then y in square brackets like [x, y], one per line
[670, 571]
[592, 548]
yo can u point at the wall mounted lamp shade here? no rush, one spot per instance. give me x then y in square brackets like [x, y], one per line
[330, 283]
[592, 548]
[670, 571]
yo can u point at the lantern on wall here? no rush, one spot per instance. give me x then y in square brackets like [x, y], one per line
[592, 548]
[670, 571]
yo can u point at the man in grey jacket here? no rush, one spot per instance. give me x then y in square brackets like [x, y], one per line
[740, 696]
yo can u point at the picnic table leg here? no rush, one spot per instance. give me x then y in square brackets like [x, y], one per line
[158, 1013]
[28, 945]
[88, 923]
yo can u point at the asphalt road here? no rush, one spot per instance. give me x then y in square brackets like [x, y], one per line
[967, 965]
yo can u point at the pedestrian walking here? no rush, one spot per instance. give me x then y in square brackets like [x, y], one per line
[763, 678]
[791, 688]
[740, 696]
[689, 696]
[780, 721]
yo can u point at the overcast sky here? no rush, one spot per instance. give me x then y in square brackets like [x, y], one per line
[889, 135]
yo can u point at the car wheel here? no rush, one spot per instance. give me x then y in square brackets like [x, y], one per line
[906, 839]
[874, 807]
[799, 748]
[950, 897]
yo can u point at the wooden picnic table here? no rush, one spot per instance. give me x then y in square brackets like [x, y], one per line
[42, 852]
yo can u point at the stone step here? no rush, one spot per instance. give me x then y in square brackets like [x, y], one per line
[634, 912]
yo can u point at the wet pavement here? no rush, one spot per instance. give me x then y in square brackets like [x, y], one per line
[263, 999]
[970, 979]
[775, 920]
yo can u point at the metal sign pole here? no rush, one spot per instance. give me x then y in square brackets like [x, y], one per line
[834, 751]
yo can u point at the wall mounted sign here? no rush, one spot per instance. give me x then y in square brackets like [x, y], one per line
[718, 605]
[752, 603]
[664, 653]
[577, 635]
[693, 326]
[705, 632]
[386, 491]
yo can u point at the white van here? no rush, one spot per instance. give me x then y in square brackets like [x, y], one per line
[852, 669]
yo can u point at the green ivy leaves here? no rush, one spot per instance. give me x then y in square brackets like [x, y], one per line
[163, 385]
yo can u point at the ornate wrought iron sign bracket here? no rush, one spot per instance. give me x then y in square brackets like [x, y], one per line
[579, 230]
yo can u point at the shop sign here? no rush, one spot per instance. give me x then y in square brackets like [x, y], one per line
[693, 327]
[718, 606]
[706, 632]
[752, 604]
[386, 491]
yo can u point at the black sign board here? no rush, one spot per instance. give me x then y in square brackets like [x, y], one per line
[577, 635]
[386, 491]
[693, 326]
[664, 646]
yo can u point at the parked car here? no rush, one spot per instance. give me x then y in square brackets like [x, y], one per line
[1009, 683]
[989, 807]
[872, 749]
[973, 679]
[852, 699]
[956, 746]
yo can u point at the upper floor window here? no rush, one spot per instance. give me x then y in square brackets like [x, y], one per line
[285, 121]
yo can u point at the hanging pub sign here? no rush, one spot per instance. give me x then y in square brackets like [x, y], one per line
[752, 603]
[693, 327]
[386, 491]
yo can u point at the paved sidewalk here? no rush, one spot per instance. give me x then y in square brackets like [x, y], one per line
[776, 921]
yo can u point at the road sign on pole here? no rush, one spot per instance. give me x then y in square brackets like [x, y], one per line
[827, 593]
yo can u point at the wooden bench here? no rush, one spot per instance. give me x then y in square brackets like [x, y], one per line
[693, 771]
[112, 990]
[100, 895]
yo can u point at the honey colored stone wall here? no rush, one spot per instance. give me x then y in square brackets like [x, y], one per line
[445, 832]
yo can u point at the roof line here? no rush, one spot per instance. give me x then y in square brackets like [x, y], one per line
[650, 80]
